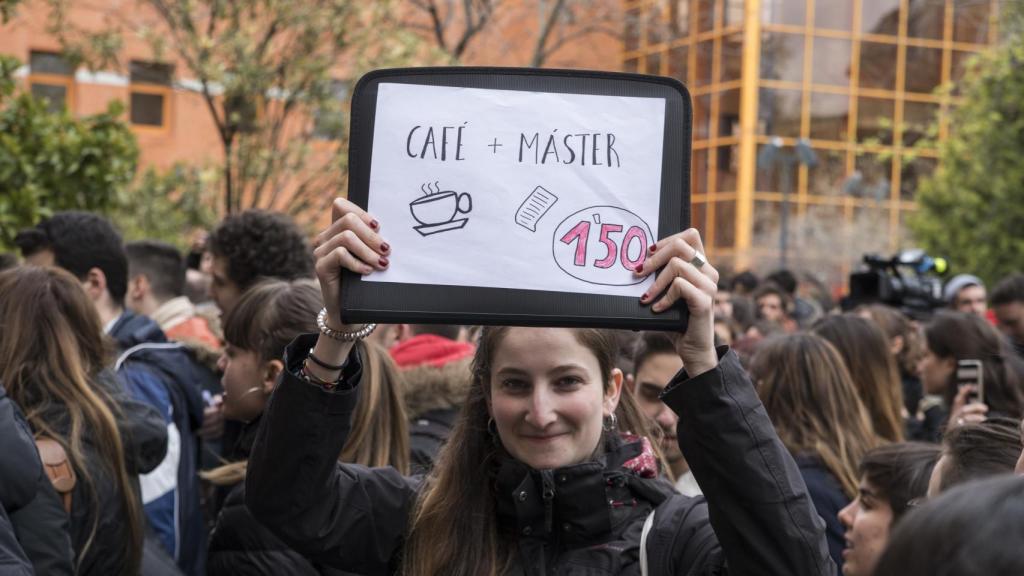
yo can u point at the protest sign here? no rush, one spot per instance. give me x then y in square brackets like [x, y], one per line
[517, 196]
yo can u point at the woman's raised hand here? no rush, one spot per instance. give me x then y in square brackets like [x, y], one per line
[352, 242]
[686, 276]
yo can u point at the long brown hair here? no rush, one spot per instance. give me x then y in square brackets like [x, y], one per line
[865, 352]
[895, 324]
[456, 504]
[52, 348]
[811, 399]
[963, 336]
[266, 319]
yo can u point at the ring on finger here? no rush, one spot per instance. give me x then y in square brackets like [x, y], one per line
[698, 260]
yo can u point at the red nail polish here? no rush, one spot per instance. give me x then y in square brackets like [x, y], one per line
[640, 267]
[653, 248]
[383, 262]
[645, 296]
[374, 224]
[385, 247]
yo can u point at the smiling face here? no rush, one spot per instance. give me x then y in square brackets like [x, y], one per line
[867, 520]
[243, 381]
[548, 398]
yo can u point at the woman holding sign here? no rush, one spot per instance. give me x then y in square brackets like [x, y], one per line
[537, 477]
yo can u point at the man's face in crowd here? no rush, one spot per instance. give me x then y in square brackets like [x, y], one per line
[223, 289]
[1010, 318]
[971, 299]
[652, 376]
[769, 307]
[723, 304]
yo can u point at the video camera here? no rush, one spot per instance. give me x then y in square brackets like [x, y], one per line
[908, 280]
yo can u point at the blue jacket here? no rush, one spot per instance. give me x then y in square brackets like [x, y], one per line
[167, 376]
[829, 498]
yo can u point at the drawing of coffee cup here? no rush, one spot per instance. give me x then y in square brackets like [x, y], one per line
[441, 207]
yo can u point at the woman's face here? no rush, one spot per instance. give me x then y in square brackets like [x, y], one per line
[867, 520]
[548, 399]
[243, 383]
[935, 372]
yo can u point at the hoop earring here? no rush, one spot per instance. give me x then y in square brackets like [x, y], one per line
[611, 423]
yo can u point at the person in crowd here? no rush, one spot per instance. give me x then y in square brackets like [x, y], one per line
[971, 530]
[655, 364]
[1007, 302]
[727, 330]
[253, 245]
[954, 336]
[966, 293]
[32, 509]
[925, 414]
[538, 476]
[266, 318]
[436, 375]
[156, 285]
[974, 451]
[52, 361]
[744, 283]
[893, 477]
[873, 370]
[774, 305]
[810, 397]
[804, 312]
[163, 374]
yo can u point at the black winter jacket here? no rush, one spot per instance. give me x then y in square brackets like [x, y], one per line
[579, 520]
[241, 546]
[829, 498]
[36, 514]
[145, 441]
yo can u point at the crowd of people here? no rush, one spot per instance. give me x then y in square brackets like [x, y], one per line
[209, 412]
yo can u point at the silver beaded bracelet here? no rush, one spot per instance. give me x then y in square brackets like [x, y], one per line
[321, 323]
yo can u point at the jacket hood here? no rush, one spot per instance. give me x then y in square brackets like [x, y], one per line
[132, 329]
[430, 388]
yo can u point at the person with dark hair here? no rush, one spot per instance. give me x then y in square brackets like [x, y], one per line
[162, 374]
[549, 469]
[774, 304]
[655, 363]
[974, 451]
[971, 530]
[892, 478]
[1007, 301]
[435, 369]
[954, 336]
[253, 245]
[267, 317]
[803, 312]
[809, 395]
[866, 355]
[744, 283]
[156, 285]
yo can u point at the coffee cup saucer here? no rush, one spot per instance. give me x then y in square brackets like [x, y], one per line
[428, 229]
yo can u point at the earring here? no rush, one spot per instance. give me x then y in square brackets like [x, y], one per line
[611, 422]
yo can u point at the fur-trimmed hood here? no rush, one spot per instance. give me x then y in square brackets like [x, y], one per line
[436, 388]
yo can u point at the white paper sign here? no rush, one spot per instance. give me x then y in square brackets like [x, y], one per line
[513, 189]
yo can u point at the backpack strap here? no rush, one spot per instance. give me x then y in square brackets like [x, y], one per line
[648, 524]
[58, 468]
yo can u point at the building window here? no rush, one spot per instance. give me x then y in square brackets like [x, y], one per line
[329, 122]
[149, 104]
[52, 78]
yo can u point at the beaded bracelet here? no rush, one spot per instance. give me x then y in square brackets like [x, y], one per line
[321, 323]
[317, 381]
